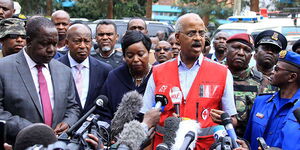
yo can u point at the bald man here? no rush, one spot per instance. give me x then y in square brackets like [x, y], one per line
[6, 9]
[88, 72]
[162, 52]
[192, 81]
[61, 19]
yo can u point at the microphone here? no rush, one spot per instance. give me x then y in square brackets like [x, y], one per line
[226, 121]
[171, 125]
[188, 139]
[176, 97]
[219, 131]
[127, 110]
[162, 146]
[101, 101]
[161, 100]
[186, 135]
[132, 136]
[161, 96]
[296, 113]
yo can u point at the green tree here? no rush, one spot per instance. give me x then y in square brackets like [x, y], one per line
[209, 10]
[33, 7]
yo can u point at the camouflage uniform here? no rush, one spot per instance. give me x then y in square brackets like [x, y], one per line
[268, 89]
[11, 26]
[245, 91]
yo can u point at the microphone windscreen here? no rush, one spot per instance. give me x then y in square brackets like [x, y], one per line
[132, 135]
[171, 126]
[127, 110]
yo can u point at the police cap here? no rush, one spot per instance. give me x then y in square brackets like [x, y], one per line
[289, 57]
[12, 26]
[271, 37]
[296, 45]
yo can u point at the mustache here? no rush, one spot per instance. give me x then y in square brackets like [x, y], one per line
[196, 44]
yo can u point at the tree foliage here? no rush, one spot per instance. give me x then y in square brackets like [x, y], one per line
[209, 8]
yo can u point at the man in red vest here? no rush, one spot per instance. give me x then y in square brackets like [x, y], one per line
[202, 88]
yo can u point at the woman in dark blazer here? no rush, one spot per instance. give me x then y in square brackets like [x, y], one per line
[133, 74]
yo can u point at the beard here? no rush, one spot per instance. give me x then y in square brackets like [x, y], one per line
[106, 49]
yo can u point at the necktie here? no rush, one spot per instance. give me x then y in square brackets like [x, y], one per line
[79, 79]
[45, 98]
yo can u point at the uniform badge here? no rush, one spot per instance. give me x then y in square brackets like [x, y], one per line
[275, 36]
[282, 54]
[205, 114]
[259, 115]
[251, 40]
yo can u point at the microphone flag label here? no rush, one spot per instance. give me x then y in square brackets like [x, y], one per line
[176, 95]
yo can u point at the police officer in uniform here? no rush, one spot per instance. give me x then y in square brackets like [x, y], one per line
[106, 37]
[12, 36]
[247, 84]
[268, 44]
[272, 114]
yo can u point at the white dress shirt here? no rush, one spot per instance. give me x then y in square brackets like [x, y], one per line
[186, 78]
[86, 76]
[34, 74]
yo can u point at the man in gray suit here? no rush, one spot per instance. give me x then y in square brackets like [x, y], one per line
[34, 87]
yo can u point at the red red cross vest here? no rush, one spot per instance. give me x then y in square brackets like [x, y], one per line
[205, 94]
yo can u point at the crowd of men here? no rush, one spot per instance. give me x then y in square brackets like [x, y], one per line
[48, 75]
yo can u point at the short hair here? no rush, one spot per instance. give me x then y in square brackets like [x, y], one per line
[137, 18]
[59, 12]
[133, 36]
[37, 133]
[35, 24]
[107, 22]
[178, 25]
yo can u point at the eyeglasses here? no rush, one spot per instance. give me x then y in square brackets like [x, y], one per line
[194, 33]
[107, 34]
[15, 36]
[165, 49]
[277, 68]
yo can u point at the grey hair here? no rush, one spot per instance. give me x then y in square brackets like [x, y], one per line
[178, 24]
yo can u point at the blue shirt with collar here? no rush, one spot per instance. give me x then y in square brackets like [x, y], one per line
[272, 118]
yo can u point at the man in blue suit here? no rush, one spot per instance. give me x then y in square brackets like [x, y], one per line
[89, 74]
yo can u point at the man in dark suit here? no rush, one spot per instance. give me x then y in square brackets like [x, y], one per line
[88, 72]
[34, 88]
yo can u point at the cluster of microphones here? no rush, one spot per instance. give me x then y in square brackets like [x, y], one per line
[130, 134]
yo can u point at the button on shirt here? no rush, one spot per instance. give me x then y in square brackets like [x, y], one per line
[34, 74]
[186, 78]
[268, 118]
[86, 77]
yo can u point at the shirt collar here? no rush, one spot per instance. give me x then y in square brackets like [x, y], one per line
[293, 100]
[214, 58]
[30, 62]
[73, 63]
[197, 62]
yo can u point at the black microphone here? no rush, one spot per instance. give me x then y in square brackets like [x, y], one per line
[162, 146]
[101, 101]
[296, 113]
[226, 121]
[128, 110]
[161, 100]
[188, 139]
[132, 136]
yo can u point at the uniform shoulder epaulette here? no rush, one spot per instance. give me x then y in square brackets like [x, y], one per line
[262, 94]
[258, 76]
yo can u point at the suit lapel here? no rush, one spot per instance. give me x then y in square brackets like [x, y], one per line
[25, 74]
[55, 76]
[92, 85]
